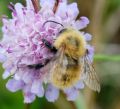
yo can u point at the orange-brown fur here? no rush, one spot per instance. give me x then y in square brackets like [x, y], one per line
[67, 67]
[67, 79]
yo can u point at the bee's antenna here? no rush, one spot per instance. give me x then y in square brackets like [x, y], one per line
[53, 22]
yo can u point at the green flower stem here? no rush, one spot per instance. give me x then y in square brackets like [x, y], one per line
[80, 102]
[27, 106]
[102, 57]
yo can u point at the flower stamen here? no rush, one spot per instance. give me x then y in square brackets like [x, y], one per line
[56, 6]
[36, 5]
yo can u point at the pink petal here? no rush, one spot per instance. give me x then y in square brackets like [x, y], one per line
[79, 85]
[37, 88]
[3, 58]
[14, 85]
[52, 93]
[6, 74]
[88, 36]
[62, 8]
[47, 3]
[90, 52]
[82, 23]
[72, 94]
[28, 96]
[29, 4]
[72, 10]
[19, 10]
[27, 77]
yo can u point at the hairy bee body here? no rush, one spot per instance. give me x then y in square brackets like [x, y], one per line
[71, 61]
[68, 76]
[67, 68]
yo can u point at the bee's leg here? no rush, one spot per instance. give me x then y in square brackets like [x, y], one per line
[49, 45]
[38, 66]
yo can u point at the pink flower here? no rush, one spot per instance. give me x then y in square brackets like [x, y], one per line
[22, 45]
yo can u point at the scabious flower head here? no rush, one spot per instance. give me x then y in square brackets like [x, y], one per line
[22, 45]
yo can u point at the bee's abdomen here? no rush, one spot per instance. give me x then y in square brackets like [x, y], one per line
[67, 79]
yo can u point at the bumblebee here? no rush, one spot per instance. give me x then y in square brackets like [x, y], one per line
[70, 62]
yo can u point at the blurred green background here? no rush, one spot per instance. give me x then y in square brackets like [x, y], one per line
[105, 28]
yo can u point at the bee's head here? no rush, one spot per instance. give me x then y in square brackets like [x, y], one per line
[69, 40]
[71, 43]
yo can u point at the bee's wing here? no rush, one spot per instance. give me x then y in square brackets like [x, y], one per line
[57, 63]
[90, 76]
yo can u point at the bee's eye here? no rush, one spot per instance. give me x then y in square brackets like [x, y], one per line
[63, 30]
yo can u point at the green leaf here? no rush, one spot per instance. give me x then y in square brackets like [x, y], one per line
[80, 102]
[102, 57]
